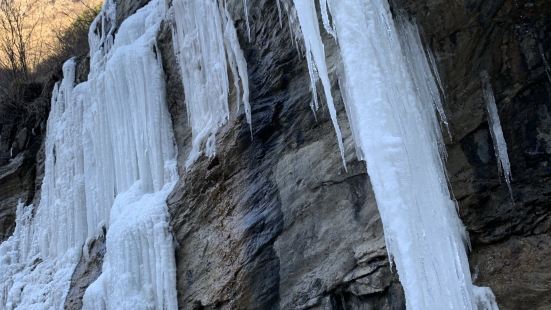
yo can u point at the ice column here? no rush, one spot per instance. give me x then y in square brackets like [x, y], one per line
[391, 98]
[500, 146]
[110, 162]
[204, 48]
[132, 164]
[37, 262]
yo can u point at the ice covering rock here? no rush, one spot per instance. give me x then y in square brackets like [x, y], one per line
[128, 100]
[37, 262]
[390, 96]
[205, 47]
[500, 145]
[110, 161]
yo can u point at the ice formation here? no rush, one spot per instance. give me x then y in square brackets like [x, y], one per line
[278, 3]
[110, 161]
[205, 47]
[500, 145]
[246, 8]
[37, 262]
[317, 67]
[391, 98]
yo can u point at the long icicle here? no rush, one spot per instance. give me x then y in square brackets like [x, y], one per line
[317, 67]
[391, 98]
[498, 138]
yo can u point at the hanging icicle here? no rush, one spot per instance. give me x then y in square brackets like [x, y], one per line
[391, 98]
[205, 47]
[317, 67]
[500, 145]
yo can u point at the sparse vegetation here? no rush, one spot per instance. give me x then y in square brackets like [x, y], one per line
[28, 64]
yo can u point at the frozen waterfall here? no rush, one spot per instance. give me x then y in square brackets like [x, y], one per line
[391, 97]
[110, 161]
[205, 48]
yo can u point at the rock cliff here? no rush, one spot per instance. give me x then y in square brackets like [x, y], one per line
[274, 221]
[510, 40]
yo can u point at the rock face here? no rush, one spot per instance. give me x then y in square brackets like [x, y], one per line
[274, 221]
[21, 170]
[16, 184]
[86, 272]
[511, 40]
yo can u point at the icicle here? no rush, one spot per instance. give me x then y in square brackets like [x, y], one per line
[204, 49]
[53, 236]
[135, 150]
[325, 18]
[425, 78]
[279, 13]
[238, 63]
[317, 67]
[500, 146]
[292, 23]
[485, 298]
[391, 98]
[247, 19]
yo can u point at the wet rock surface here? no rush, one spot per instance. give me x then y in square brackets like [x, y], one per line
[274, 220]
[86, 272]
[511, 40]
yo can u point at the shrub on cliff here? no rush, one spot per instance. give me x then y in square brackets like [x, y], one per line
[24, 94]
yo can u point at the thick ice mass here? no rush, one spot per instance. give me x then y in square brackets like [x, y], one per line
[391, 96]
[205, 47]
[37, 262]
[110, 161]
[500, 145]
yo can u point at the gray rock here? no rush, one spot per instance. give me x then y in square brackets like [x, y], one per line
[86, 272]
[20, 140]
[275, 221]
[126, 8]
[18, 177]
[505, 38]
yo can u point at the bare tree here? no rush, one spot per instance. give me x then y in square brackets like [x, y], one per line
[18, 24]
[36, 36]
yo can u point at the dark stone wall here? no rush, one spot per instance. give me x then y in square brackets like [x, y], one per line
[511, 40]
